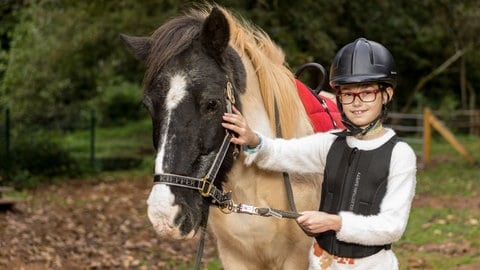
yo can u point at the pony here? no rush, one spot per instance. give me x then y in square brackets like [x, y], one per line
[197, 65]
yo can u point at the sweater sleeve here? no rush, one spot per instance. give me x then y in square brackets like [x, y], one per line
[300, 155]
[389, 224]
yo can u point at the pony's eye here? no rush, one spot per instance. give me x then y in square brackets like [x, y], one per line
[212, 105]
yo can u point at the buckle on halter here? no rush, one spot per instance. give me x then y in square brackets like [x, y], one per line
[206, 187]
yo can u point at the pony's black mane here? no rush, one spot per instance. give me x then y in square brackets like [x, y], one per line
[169, 40]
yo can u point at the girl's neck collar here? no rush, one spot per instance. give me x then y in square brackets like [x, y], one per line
[376, 131]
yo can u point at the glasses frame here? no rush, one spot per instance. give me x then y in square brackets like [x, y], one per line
[355, 95]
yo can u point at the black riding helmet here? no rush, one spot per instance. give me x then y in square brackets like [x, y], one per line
[363, 61]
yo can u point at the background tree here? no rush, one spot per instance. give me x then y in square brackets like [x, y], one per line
[9, 18]
[65, 55]
[60, 59]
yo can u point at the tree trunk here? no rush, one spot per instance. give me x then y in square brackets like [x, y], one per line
[423, 81]
[463, 84]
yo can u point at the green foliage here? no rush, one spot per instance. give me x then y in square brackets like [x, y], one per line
[8, 15]
[304, 30]
[61, 57]
[42, 155]
[34, 157]
[119, 104]
[63, 53]
[131, 139]
[120, 147]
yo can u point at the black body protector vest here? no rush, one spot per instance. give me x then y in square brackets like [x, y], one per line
[356, 181]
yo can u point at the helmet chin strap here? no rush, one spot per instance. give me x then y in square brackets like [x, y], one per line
[353, 129]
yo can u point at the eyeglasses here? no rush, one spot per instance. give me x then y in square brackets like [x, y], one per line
[364, 96]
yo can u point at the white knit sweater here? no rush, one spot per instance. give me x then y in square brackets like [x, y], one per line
[309, 154]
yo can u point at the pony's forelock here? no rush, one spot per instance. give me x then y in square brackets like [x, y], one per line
[169, 40]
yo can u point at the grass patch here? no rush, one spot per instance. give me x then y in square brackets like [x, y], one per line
[133, 139]
[444, 233]
[122, 147]
[436, 225]
[450, 173]
[213, 264]
[449, 179]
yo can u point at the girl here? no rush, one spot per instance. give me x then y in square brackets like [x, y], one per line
[369, 173]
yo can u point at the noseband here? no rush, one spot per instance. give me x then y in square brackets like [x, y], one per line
[205, 185]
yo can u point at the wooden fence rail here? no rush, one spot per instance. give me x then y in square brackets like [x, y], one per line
[417, 128]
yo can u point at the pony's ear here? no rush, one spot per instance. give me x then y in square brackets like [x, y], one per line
[215, 33]
[138, 46]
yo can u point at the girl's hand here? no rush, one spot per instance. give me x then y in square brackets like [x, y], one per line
[237, 123]
[318, 222]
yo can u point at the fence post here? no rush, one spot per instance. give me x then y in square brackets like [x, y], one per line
[7, 144]
[474, 122]
[438, 125]
[427, 136]
[92, 139]
[431, 120]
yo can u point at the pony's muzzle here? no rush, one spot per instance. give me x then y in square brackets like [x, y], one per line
[162, 212]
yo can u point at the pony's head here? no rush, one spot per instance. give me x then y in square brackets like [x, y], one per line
[189, 63]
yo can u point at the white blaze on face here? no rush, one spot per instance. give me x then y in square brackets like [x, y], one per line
[161, 211]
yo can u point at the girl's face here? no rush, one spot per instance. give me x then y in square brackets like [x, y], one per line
[362, 103]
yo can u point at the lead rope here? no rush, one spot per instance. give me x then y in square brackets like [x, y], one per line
[288, 186]
[286, 177]
[201, 244]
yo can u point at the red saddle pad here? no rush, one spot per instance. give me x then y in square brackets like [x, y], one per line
[319, 117]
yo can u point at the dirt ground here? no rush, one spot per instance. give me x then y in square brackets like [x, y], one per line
[89, 225]
[101, 224]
